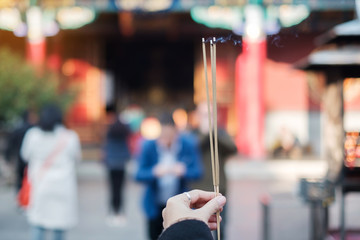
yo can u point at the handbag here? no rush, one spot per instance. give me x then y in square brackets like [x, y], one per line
[23, 196]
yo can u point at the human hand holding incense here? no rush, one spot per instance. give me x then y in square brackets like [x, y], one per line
[196, 204]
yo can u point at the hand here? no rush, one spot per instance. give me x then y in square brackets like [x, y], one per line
[202, 206]
[179, 169]
[160, 170]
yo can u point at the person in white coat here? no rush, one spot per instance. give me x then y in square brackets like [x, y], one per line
[52, 152]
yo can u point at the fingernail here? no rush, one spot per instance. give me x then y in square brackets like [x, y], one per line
[221, 200]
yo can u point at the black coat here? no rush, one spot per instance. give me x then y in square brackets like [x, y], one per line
[12, 151]
[187, 230]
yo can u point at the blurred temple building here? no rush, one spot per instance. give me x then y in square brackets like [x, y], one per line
[148, 53]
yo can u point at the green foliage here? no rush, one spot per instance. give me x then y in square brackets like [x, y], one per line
[21, 87]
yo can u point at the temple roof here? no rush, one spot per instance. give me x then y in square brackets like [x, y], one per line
[347, 32]
[344, 59]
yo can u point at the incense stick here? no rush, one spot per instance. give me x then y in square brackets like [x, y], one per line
[216, 160]
[214, 111]
[213, 78]
[215, 118]
[209, 115]
[213, 123]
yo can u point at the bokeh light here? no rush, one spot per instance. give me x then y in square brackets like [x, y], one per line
[150, 128]
[180, 118]
[68, 69]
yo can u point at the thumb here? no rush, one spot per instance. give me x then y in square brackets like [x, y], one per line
[213, 206]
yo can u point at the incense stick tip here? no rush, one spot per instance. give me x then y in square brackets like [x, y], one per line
[203, 40]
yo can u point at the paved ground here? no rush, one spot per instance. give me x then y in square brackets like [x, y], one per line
[93, 210]
[289, 216]
[249, 181]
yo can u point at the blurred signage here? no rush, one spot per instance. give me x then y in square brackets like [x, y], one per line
[233, 17]
[40, 22]
[74, 17]
[218, 17]
[145, 5]
[10, 18]
[290, 15]
[172, 5]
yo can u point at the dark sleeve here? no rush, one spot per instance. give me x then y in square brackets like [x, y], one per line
[187, 230]
[226, 144]
[10, 147]
[14, 143]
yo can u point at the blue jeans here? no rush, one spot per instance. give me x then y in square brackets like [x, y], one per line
[38, 233]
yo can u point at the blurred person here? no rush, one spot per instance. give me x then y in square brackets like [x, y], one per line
[190, 215]
[133, 115]
[116, 154]
[13, 145]
[52, 152]
[287, 145]
[165, 165]
[226, 150]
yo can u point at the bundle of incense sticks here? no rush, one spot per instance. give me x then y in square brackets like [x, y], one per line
[212, 117]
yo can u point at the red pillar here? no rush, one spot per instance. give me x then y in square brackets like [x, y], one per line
[36, 42]
[250, 110]
[36, 52]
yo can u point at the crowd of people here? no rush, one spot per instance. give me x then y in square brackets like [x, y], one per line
[169, 165]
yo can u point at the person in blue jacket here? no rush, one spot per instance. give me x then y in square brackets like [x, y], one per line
[166, 165]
